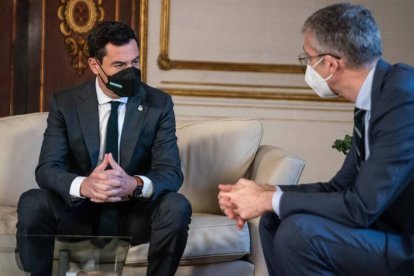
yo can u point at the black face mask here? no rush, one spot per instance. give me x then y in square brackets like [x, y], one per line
[125, 83]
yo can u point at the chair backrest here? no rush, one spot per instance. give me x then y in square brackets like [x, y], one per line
[215, 152]
[212, 152]
[21, 138]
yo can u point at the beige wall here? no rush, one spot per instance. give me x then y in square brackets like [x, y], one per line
[259, 41]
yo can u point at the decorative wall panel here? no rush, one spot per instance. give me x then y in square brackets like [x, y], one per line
[243, 48]
[44, 47]
[78, 17]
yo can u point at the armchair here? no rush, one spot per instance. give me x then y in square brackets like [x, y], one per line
[212, 152]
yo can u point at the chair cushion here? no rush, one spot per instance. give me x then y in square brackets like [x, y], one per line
[215, 152]
[20, 142]
[239, 268]
[8, 220]
[211, 238]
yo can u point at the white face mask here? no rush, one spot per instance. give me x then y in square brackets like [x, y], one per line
[317, 83]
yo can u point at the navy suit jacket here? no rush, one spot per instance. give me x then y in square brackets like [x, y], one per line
[71, 141]
[381, 195]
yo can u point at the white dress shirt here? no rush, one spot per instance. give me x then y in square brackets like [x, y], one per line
[104, 109]
[363, 101]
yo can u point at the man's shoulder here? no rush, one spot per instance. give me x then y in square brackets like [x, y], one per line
[403, 67]
[400, 73]
[394, 88]
[153, 94]
[394, 77]
[79, 89]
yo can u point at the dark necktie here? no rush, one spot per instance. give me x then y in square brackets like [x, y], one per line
[108, 223]
[359, 134]
[111, 142]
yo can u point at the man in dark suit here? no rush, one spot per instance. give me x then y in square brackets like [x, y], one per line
[95, 183]
[361, 222]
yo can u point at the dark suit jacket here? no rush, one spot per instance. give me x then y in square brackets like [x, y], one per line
[71, 141]
[381, 195]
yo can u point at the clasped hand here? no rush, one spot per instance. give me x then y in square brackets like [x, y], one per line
[107, 185]
[245, 200]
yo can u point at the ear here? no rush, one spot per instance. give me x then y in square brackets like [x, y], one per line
[93, 65]
[334, 65]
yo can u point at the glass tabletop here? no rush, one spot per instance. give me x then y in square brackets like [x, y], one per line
[62, 255]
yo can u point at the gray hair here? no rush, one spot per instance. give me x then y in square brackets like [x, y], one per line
[348, 31]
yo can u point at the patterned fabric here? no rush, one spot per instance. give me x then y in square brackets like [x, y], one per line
[359, 131]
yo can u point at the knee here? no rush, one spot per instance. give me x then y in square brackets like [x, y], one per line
[176, 210]
[294, 233]
[269, 222]
[33, 204]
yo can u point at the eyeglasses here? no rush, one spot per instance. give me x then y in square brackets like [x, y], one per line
[305, 58]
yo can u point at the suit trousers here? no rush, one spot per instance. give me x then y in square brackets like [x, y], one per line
[304, 244]
[162, 222]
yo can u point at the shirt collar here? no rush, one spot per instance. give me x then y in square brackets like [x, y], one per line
[103, 98]
[363, 100]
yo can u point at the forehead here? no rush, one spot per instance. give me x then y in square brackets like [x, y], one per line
[126, 52]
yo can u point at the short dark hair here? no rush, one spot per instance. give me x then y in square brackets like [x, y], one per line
[346, 30]
[106, 32]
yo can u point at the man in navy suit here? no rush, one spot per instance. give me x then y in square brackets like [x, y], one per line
[361, 222]
[133, 186]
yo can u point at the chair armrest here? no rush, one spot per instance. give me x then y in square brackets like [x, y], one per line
[256, 255]
[275, 166]
[271, 166]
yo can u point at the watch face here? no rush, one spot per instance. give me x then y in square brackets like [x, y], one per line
[138, 192]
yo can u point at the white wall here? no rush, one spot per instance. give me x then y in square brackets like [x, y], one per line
[262, 32]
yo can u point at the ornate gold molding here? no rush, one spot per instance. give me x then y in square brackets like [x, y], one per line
[78, 17]
[248, 95]
[222, 84]
[165, 63]
[213, 93]
[143, 38]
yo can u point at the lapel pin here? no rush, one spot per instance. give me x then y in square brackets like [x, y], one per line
[140, 108]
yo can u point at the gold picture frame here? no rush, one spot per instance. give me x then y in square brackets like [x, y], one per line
[165, 63]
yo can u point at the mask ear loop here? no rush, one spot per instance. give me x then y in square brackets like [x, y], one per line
[319, 61]
[313, 66]
[109, 83]
[102, 71]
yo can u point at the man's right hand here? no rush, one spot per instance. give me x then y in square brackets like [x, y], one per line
[99, 186]
[227, 207]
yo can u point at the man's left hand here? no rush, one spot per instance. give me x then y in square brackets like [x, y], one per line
[127, 183]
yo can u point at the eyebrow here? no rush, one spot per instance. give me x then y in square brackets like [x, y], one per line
[117, 62]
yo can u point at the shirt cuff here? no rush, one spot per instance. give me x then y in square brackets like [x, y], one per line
[147, 188]
[276, 200]
[75, 186]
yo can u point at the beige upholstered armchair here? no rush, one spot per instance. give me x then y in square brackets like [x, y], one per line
[212, 152]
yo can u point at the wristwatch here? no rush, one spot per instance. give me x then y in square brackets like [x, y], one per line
[137, 193]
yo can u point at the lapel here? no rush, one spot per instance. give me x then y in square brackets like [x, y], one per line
[133, 122]
[88, 116]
